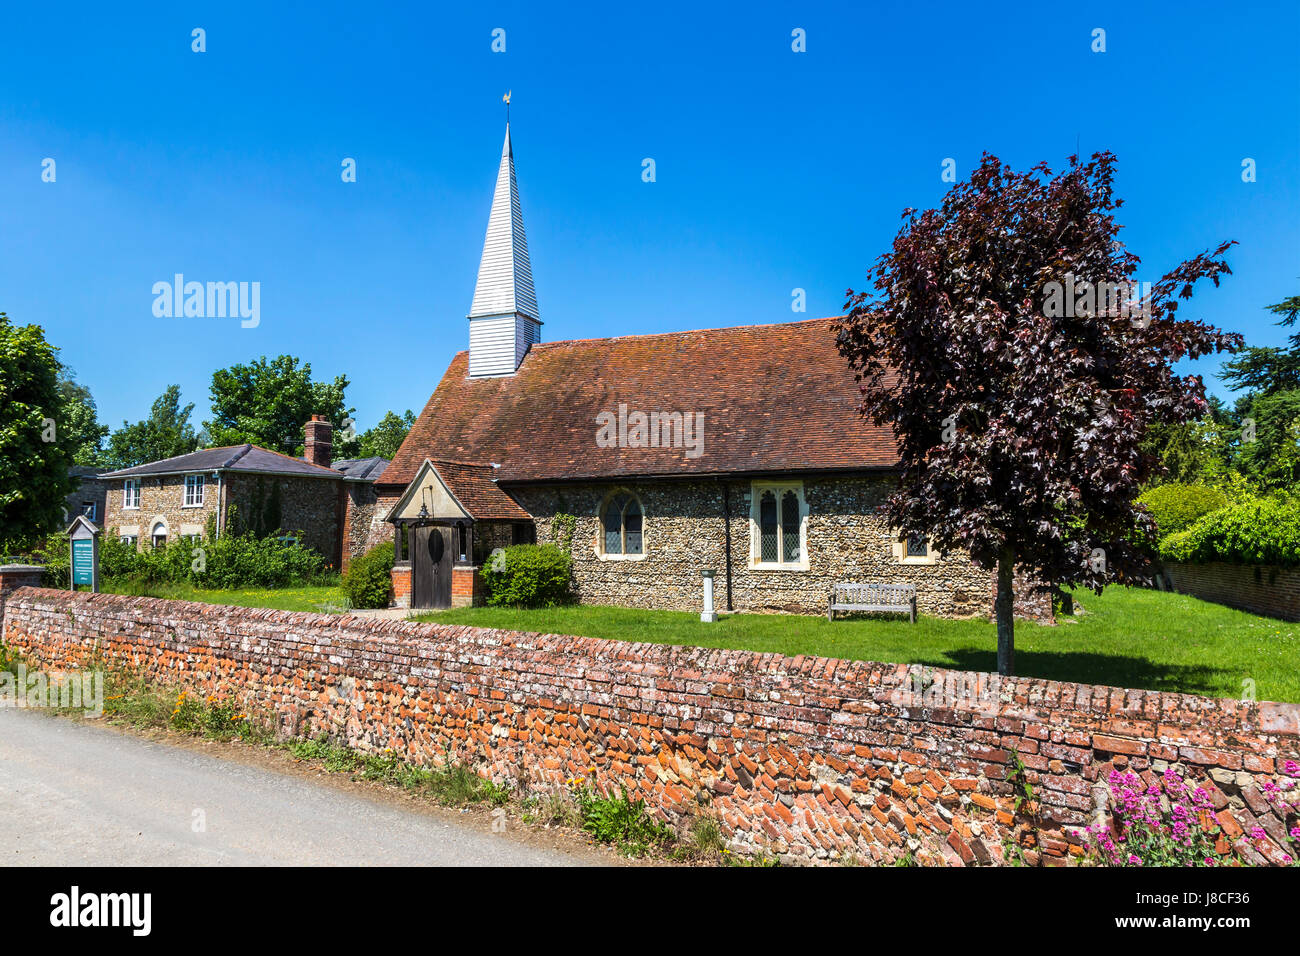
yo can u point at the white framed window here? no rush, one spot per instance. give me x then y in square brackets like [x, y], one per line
[193, 491]
[778, 526]
[131, 493]
[130, 539]
[622, 527]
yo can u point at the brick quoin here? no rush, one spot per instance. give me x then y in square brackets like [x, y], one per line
[812, 759]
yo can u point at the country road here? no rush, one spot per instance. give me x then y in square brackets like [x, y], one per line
[77, 794]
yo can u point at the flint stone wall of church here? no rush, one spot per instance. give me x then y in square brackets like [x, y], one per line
[847, 540]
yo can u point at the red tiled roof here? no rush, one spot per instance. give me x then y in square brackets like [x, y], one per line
[775, 398]
[474, 488]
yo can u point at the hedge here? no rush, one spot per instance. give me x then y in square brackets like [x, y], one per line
[1176, 507]
[1257, 531]
[231, 561]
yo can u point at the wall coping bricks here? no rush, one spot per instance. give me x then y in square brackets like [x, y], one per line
[853, 750]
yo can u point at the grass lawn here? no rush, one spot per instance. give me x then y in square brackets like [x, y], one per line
[304, 598]
[1126, 637]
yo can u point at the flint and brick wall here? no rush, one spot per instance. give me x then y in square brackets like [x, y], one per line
[363, 523]
[1271, 591]
[308, 505]
[809, 758]
[685, 532]
[162, 498]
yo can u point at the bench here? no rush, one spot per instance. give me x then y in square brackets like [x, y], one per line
[891, 598]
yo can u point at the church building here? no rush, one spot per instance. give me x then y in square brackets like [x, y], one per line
[653, 458]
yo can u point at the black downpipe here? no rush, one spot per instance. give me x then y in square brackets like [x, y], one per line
[726, 535]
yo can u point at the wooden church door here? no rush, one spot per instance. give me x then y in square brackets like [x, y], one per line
[431, 556]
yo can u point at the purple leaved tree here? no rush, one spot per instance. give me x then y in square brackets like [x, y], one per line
[1019, 361]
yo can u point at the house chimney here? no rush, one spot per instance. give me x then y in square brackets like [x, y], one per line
[319, 447]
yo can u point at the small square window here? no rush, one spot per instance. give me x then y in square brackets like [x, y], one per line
[918, 546]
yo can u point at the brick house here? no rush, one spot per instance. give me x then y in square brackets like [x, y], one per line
[733, 449]
[245, 487]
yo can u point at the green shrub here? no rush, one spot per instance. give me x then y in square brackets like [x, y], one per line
[231, 561]
[1257, 531]
[529, 575]
[1176, 507]
[369, 581]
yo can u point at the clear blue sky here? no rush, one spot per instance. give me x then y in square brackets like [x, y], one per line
[775, 169]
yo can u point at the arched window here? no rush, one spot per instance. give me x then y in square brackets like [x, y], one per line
[777, 518]
[159, 534]
[621, 523]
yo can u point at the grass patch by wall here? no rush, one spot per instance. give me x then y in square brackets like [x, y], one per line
[1126, 637]
[328, 599]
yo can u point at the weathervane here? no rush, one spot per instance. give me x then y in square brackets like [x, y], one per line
[506, 99]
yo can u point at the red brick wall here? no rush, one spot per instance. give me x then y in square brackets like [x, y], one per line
[402, 584]
[467, 588]
[1263, 590]
[811, 758]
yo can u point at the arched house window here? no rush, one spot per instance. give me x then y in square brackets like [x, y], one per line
[622, 526]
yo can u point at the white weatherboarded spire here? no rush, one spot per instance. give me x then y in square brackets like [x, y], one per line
[503, 321]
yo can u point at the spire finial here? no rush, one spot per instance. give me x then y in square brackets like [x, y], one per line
[506, 99]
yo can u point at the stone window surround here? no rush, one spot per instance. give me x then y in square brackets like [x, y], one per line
[598, 547]
[130, 493]
[899, 547]
[199, 485]
[756, 490]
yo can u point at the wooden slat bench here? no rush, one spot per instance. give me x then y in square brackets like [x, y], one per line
[873, 596]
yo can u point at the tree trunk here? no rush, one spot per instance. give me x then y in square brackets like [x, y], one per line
[1004, 611]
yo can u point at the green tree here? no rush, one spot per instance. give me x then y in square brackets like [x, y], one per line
[166, 433]
[384, 439]
[1268, 451]
[85, 433]
[36, 448]
[1198, 451]
[267, 403]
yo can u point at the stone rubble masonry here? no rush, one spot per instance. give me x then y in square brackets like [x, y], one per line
[847, 540]
[363, 521]
[812, 759]
[314, 506]
[1261, 589]
[162, 498]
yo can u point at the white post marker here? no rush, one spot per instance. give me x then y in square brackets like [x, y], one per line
[708, 615]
